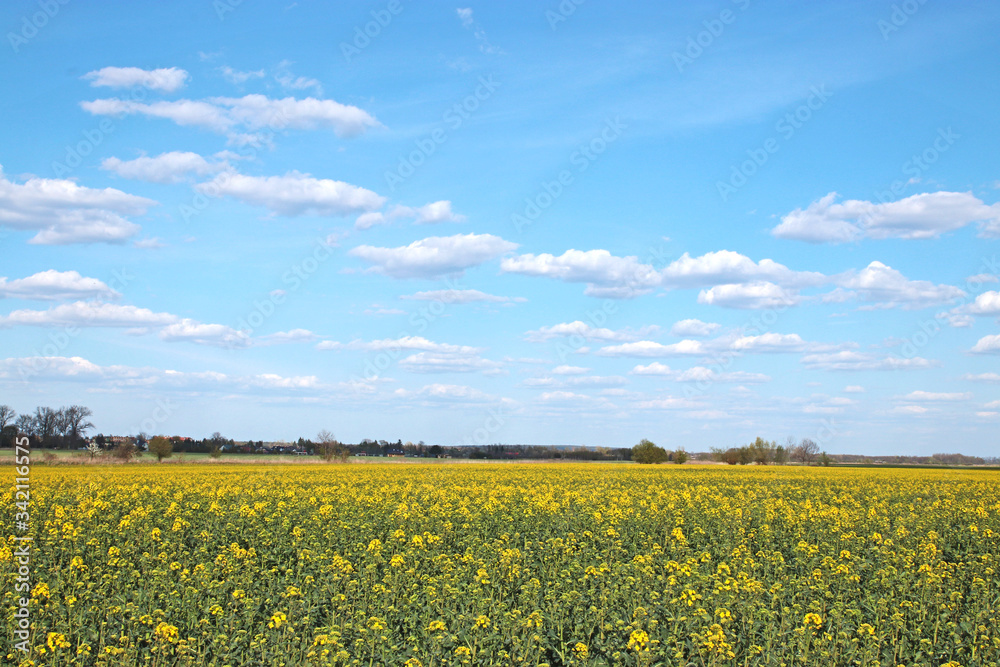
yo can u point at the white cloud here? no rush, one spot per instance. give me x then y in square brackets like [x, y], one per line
[116, 378]
[292, 336]
[435, 212]
[570, 370]
[920, 216]
[910, 410]
[668, 403]
[987, 345]
[218, 335]
[63, 212]
[606, 275]
[757, 295]
[694, 328]
[398, 344]
[887, 287]
[936, 396]
[703, 374]
[149, 243]
[769, 342]
[465, 16]
[460, 296]
[451, 393]
[430, 362]
[54, 285]
[655, 368]
[293, 194]
[647, 348]
[369, 220]
[164, 168]
[982, 377]
[88, 314]
[728, 267]
[587, 332]
[249, 113]
[854, 389]
[237, 77]
[434, 256]
[166, 79]
[849, 360]
[289, 81]
[987, 303]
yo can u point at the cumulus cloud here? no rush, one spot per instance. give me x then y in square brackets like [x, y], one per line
[293, 194]
[88, 314]
[887, 287]
[750, 296]
[166, 79]
[987, 303]
[699, 374]
[769, 342]
[237, 77]
[937, 396]
[232, 115]
[982, 377]
[399, 344]
[164, 168]
[63, 212]
[570, 370]
[218, 335]
[449, 393]
[647, 348]
[428, 214]
[430, 362]
[850, 360]
[609, 276]
[606, 275]
[694, 328]
[921, 216]
[727, 267]
[461, 296]
[587, 332]
[369, 220]
[987, 345]
[434, 256]
[118, 377]
[55, 285]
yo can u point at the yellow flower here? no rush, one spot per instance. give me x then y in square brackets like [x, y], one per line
[56, 641]
[277, 620]
[482, 621]
[166, 632]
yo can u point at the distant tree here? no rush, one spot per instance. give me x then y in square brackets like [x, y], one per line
[125, 450]
[680, 457]
[215, 444]
[7, 416]
[74, 422]
[762, 451]
[329, 448]
[25, 425]
[94, 448]
[806, 451]
[647, 452]
[781, 454]
[824, 459]
[436, 450]
[46, 421]
[161, 447]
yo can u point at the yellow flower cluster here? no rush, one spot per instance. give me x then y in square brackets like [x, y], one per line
[559, 564]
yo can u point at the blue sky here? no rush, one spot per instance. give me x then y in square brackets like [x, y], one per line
[554, 224]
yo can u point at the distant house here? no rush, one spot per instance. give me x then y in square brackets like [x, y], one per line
[393, 452]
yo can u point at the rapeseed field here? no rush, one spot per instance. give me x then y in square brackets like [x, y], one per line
[466, 564]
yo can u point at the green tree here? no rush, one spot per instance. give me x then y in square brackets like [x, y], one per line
[680, 457]
[161, 447]
[647, 452]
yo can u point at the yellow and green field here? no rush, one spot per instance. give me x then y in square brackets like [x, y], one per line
[508, 564]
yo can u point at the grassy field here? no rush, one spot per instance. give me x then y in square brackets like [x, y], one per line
[556, 564]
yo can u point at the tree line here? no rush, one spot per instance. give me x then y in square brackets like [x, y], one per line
[62, 428]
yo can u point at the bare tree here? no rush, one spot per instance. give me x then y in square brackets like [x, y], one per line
[26, 425]
[806, 451]
[329, 448]
[46, 423]
[74, 422]
[7, 415]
